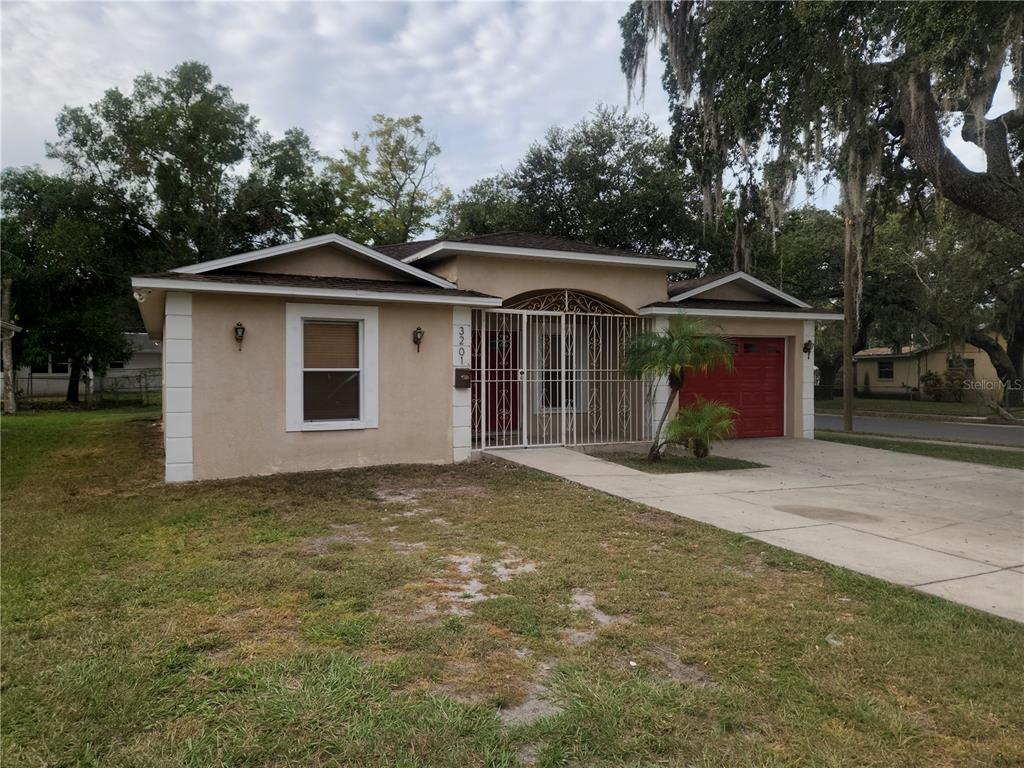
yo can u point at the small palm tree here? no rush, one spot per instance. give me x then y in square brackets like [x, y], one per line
[689, 344]
[702, 424]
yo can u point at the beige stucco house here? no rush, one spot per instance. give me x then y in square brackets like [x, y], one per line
[886, 371]
[327, 353]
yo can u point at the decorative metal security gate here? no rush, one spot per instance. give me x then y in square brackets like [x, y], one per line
[546, 376]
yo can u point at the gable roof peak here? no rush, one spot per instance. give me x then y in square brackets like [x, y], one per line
[308, 243]
[688, 289]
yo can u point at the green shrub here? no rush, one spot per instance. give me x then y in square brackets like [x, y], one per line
[955, 382]
[698, 426]
[933, 385]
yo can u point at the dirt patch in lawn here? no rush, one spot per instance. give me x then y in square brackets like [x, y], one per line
[585, 602]
[459, 593]
[406, 547]
[536, 705]
[397, 496]
[508, 569]
[413, 494]
[681, 671]
[350, 533]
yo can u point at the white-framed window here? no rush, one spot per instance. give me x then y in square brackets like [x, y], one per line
[966, 364]
[331, 358]
[51, 366]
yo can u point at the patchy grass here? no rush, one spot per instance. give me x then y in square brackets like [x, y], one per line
[902, 406]
[476, 615]
[994, 457]
[673, 463]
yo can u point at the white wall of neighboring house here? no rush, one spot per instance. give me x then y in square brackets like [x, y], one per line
[142, 370]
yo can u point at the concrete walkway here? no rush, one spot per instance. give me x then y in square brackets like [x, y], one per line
[947, 528]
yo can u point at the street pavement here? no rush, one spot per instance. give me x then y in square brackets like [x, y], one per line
[929, 429]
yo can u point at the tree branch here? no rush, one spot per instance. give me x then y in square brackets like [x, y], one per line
[993, 140]
[1005, 369]
[997, 197]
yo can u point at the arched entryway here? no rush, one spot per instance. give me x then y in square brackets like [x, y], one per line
[547, 370]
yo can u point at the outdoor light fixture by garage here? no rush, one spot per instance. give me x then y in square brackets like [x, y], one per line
[417, 337]
[808, 348]
[239, 335]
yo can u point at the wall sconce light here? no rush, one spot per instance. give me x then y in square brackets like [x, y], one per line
[808, 348]
[417, 337]
[239, 335]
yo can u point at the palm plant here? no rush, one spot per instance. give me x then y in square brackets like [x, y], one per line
[701, 424]
[688, 344]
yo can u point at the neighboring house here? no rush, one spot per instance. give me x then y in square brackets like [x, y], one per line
[326, 353]
[885, 371]
[141, 371]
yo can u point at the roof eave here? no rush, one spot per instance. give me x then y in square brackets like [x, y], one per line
[198, 286]
[765, 314]
[887, 357]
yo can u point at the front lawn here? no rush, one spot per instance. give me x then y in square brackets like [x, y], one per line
[995, 457]
[672, 463]
[477, 615]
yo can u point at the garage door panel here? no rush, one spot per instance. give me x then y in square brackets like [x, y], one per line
[755, 388]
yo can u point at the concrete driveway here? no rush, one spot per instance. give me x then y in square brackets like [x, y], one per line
[947, 528]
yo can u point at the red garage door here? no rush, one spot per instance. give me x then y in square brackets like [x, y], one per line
[756, 388]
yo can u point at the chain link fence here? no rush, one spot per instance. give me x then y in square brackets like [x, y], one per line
[136, 386]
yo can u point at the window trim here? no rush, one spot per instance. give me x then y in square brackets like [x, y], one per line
[892, 370]
[965, 363]
[368, 318]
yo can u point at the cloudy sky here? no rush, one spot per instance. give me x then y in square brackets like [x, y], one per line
[487, 77]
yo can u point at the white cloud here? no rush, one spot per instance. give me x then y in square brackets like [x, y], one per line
[488, 78]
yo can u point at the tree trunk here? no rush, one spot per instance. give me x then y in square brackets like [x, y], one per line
[654, 454]
[74, 379]
[1014, 396]
[994, 194]
[849, 330]
[1001, 361]
[10, 402]
[827, 371]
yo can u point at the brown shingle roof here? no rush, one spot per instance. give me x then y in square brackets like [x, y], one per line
[317, 281]
[515, 240]
[905, 351]
[401, 250]
[688, 284]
